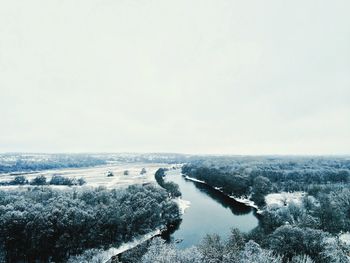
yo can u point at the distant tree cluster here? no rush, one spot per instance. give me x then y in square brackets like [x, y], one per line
[61, 180]
[170, 187]
[18, 180]
[42, 180]
[50, 225]
[110, 174]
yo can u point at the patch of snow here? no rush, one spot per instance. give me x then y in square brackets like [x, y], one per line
[247, 202]
[284, 198]
[194, 180]
[107, 254]
[345, 238]
[183, 204]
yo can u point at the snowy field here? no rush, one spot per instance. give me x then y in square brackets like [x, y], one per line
[283, 199]
[97, 176]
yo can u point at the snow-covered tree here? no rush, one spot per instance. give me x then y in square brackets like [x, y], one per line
[254, 253]
[211, 249]
[335, 251]
[301, 259]
[159, 252]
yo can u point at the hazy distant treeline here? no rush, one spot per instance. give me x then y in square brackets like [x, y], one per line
[11, 163]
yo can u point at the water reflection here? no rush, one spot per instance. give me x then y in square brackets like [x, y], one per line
[236, 208]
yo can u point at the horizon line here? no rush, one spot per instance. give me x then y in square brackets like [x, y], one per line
[181, 153]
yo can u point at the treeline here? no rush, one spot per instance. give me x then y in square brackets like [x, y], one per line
[11, 163]
[239, 248]
[232, 183]
[171, 187]
[281, 171]
[26, 162]
[50, 225]
[288, 244]
[260, 176]
[42, 180]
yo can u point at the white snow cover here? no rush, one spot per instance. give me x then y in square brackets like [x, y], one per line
[183, 204]
[345, 238]
[97, 176]
[283, 198]
[106, 255]
[194, 179]
[247, 202]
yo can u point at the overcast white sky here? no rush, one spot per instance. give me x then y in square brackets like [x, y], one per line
[231, 77]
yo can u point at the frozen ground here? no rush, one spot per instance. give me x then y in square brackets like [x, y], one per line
[97, 176]
[283, 198]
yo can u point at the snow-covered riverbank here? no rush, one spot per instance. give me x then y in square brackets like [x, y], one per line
[183, 204]
[241, 200]
[194, 180]
[105, 256]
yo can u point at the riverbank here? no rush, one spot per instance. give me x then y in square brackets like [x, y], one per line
[242, 200]
[109, 255]
[182, 204]
[210, 211]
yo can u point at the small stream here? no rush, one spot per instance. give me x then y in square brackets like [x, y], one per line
[210, 212]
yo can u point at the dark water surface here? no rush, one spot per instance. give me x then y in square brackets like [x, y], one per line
[210, 212]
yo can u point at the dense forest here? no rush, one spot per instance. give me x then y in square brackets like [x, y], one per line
[307, 229]
[238, 248]
[260, 176]
[51, 225]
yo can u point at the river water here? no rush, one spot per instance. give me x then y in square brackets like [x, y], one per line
[210, 211]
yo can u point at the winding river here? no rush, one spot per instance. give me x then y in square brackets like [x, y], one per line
[210, 211]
